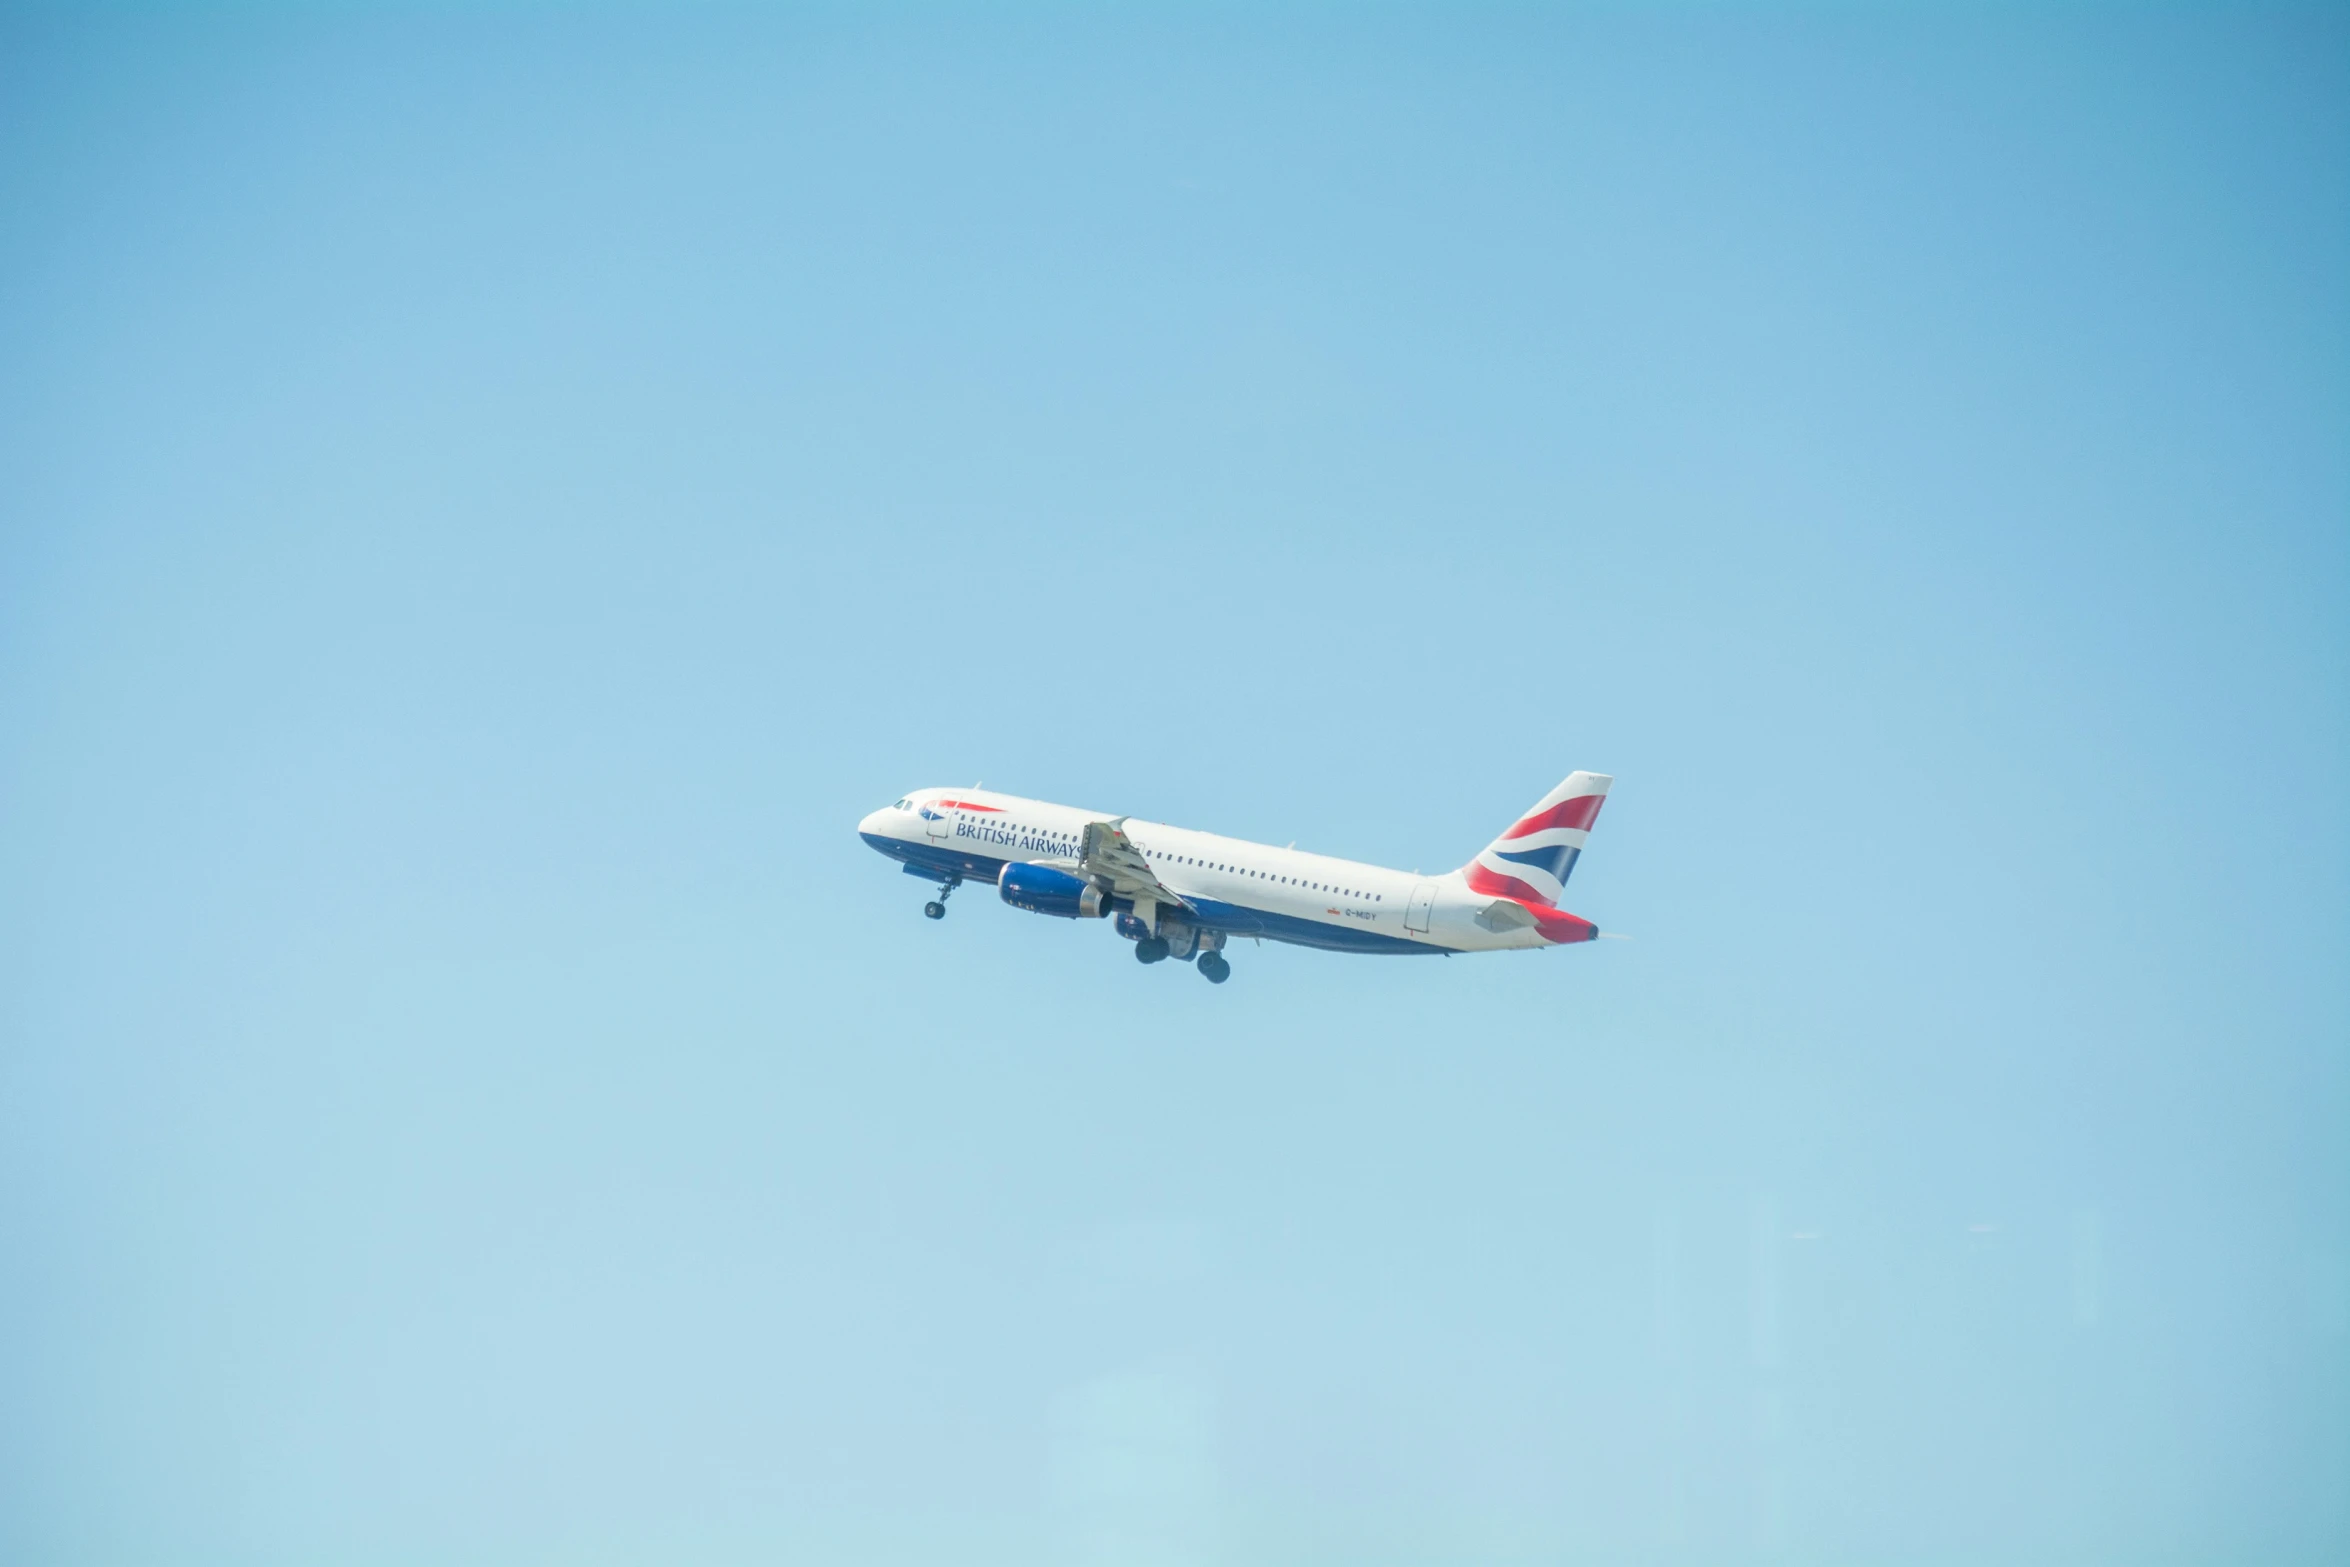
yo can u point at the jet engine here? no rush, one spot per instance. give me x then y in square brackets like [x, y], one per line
[1040, 889]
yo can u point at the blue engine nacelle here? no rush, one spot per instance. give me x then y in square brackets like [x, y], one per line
[1040, 889]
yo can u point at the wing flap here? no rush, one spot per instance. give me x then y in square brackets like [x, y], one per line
[1110, 854]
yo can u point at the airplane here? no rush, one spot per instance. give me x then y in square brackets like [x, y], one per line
[1176, 893]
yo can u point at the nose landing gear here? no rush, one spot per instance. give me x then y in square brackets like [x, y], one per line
[937, 908]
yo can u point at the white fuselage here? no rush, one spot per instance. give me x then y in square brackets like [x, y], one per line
[1230, 885]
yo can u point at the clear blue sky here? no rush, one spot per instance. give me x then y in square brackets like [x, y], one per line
[487, 500]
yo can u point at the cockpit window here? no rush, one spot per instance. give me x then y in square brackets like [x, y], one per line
[903, 804]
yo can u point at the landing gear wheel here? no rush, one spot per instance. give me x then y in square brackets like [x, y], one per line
[1151, 949]
[1212, 964]
[937, 908]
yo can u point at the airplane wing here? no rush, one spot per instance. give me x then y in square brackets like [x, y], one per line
[1110, 854]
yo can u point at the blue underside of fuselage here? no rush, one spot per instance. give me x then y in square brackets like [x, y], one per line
[1234, 919]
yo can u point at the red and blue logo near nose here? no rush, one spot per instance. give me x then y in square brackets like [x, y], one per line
[936, 810]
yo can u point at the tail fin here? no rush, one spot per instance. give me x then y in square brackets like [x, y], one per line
[1533, 860]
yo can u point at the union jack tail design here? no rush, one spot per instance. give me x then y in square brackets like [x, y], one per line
[1531, 862]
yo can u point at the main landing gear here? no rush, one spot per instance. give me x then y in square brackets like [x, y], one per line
[937, 909]
[1155, 949]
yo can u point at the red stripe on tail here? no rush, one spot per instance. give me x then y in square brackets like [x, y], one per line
[1493, 884]
[1555, 924]
[1578, 813]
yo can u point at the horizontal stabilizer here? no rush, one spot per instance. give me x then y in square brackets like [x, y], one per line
[1501, 914]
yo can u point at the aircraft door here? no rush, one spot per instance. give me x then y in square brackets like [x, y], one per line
[938, 821]
[1423, 900]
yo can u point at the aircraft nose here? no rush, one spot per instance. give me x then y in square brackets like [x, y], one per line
[875, 822]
